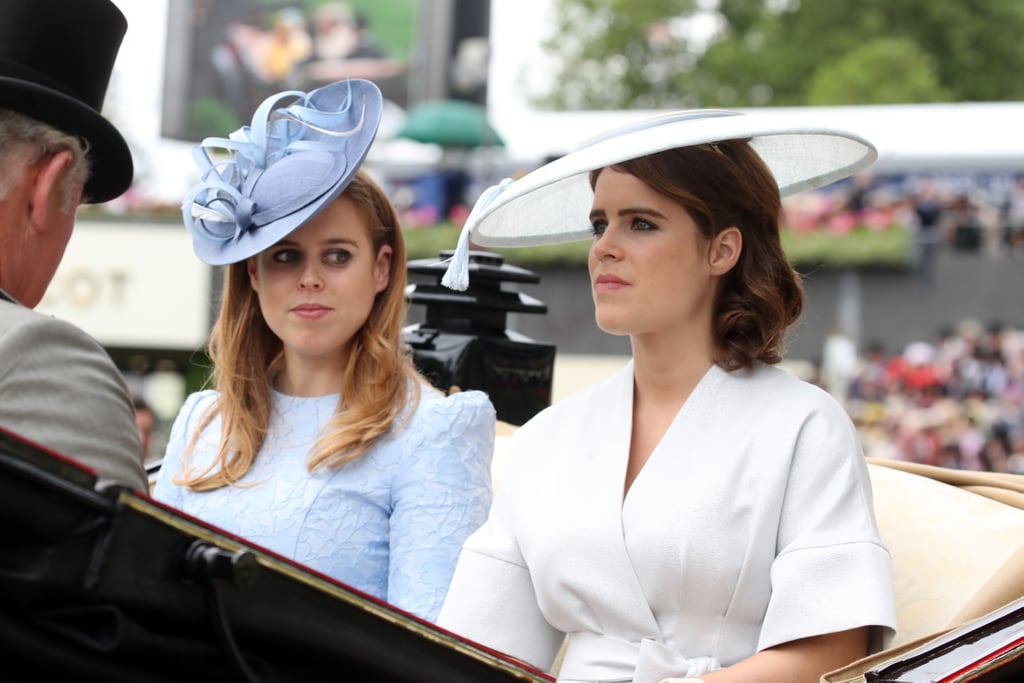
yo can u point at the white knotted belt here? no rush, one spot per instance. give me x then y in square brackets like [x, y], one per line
[600, 658]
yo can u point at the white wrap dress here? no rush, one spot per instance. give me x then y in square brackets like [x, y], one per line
[751, 525]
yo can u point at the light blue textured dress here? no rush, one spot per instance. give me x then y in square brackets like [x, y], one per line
[390, 523]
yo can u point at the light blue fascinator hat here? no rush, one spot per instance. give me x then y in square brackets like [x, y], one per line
[551, 204]
[299, 154]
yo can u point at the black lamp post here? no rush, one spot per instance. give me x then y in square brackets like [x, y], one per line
[463, 343]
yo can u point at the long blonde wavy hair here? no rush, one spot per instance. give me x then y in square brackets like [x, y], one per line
[380, 381]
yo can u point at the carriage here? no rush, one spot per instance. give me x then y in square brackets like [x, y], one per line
[112, 585]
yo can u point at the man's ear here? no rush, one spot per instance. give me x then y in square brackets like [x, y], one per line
[725, 250]
[46, 196]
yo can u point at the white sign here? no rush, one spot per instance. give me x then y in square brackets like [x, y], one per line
[133, 284]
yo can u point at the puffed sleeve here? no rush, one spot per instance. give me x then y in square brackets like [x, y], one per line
[441, 494]
[166, 491]
[828, 539]
[492, 600]
[59, 388]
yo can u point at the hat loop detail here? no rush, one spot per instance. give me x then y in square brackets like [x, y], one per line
[457, 275]
[289, 160]
[243, 213]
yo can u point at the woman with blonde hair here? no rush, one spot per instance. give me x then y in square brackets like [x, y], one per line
[321, 441]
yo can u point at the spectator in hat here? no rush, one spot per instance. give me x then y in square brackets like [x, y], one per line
[58, 387]
[320, 441]
[702, 515]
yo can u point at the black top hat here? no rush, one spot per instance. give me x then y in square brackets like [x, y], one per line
[56, 57]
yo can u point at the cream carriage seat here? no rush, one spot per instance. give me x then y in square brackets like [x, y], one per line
[957, 543]
[956, 540]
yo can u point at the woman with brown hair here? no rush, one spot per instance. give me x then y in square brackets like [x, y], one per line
[701, 514]
[321, 441]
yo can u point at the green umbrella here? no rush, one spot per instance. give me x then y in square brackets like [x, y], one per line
[450, 123]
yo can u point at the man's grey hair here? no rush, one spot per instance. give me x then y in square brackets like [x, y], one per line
[24, 141]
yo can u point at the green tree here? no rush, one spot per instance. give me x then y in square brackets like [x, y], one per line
[613, 52]
[909, 76]
[786, 52]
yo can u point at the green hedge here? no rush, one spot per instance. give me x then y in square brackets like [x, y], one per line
[861, 247]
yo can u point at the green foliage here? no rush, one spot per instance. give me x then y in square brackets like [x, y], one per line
[428, 243]
[607, 56]
[392, 22]
[785, 53]
[209, 116]
[860, 247]
[851, 79]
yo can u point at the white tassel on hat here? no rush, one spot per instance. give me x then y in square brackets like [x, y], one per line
[457, 275]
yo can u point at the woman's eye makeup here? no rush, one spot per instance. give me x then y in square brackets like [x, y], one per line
[285, 256]
[338, 256]
[334, 257]
[599, 226]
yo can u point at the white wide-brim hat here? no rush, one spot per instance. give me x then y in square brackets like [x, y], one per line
[552, 203]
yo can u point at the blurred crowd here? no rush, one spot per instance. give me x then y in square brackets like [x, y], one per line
[969, 213]
[956, 401]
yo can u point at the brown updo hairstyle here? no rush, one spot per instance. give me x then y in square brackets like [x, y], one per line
[722, 185]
